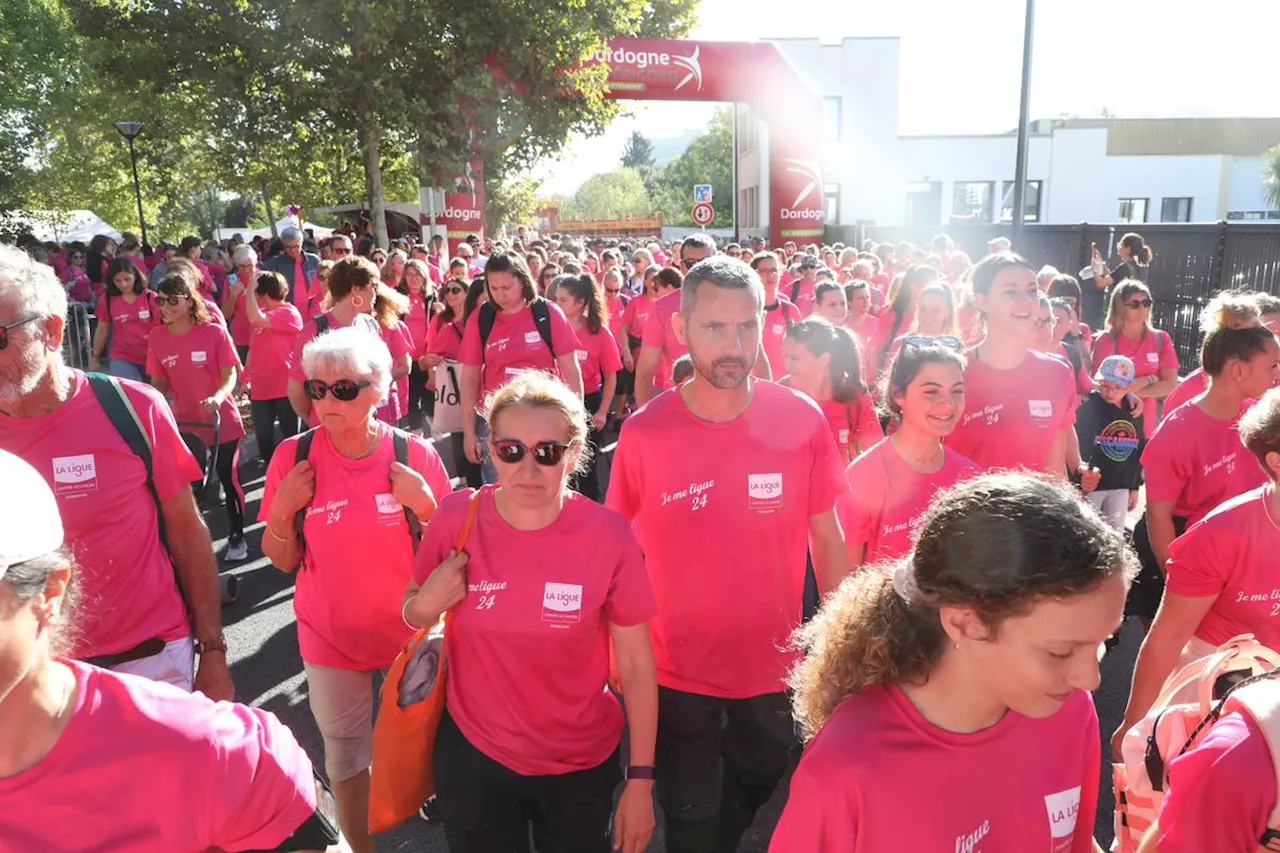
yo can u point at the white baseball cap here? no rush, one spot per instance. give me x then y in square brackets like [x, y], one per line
[30, 525]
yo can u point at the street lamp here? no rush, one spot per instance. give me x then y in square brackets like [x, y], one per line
[129, 130]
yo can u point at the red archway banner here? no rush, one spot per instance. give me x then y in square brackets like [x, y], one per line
[755, 73]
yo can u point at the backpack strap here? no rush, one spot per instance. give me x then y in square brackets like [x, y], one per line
[400, 441]
[488, 315]
[302, 452]
[541, 309]
[1261, 701]
[322, 323]
[795, 290]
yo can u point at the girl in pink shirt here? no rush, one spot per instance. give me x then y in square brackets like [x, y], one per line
[901, 314]
[443, 360]
[274, 325]
[891, 485]
[582, 301]
[959, 676]
[192, 360]
[935, 316]
[415, 284]
[822, 363]
[530, 730]
[1129, 332]
[1220, 573]
[127, 313]
[1195, 461]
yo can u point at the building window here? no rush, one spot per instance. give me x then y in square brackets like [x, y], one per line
[1175, 210]
[1132, 210]
[833, 117]
[1031, 202]
[831, 203]
[924, 203]
[971, 200]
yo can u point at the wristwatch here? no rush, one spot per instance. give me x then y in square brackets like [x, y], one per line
[218, 645]
[637, 771]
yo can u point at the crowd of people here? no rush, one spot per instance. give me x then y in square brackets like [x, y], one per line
[866, 525]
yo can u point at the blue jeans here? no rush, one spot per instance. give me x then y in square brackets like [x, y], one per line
[126, 370]
[487, 472]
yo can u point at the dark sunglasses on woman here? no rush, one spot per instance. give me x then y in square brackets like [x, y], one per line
[546, 453]
[169, 300]
[344, 390]
[1139, 303]
[454, 291]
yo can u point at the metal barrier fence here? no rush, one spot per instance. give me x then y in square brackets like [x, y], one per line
[77, 336]
[1192, 260]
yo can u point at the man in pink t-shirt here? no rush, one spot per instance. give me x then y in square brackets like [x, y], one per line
[138, 588]
[726, 481]
[660, 347]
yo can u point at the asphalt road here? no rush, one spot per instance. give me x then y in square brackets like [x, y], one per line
[265, 664]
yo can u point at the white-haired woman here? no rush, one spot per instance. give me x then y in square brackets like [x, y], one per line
[355, 546]
[93, 760]
[240, 282]
[530, 732]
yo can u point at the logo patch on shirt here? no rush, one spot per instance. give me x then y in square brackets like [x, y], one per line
[581, 354]
[1040, 408]
[389, 509]
[1153, 358]
[764, 491]
[144, 314]
[74, 475]
[532, 337]
[199, 356]
[562, 603]
[1063, 808]
[844, 437]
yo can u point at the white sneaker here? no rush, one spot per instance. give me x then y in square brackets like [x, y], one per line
[237, 550]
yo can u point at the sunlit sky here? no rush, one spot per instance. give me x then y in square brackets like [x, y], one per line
[961, 61]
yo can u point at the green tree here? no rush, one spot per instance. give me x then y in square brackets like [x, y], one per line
[707, 160]
[1271, 178]
[609, 194]
[639, 151]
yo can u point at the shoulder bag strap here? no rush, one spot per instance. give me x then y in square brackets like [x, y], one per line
[400, 441]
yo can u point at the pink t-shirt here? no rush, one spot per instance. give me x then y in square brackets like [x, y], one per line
[399, 341]
[616, 312]
[1192, 385]
[528, 647]
[805, 297]
[1012, 417]
[81, 289]
[241, 331]
[887, 498]
[636, 316]
[1151, 353]
[126, 578]
[417, 321]
[659, 333]
[358, 552]
[597, 356]
[723, 513]
[880, 778]
[272, 351]
[446, 337]
[1198, 462]
[131, 322]
[869, 338]
[192, 364]
[514, 345]
[776, 321]
[146, 766]
[1230, 553]
[1221, 793]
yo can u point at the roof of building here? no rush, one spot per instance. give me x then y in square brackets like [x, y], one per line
[1246, 137]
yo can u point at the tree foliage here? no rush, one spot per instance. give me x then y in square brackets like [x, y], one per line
[609, 194]
[639, 151]
[1271, 178]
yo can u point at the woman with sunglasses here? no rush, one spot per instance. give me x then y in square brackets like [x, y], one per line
[415, 284]
[513, 343]
[530, 732]
[582, 302]
[274, 324]
[126, 313]
[546, 275]
[1128, 332]
[240, 283]
[340, 513]
[445, 351]
[1021, 404]
[959, 676]
[192, 360]
[1195, 461]
[79, 287]
[891, 484]
[822, 363]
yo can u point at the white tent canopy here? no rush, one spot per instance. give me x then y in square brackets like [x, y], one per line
[288, 222]
[66, 226]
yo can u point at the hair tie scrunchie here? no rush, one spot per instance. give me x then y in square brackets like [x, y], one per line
[904, 583]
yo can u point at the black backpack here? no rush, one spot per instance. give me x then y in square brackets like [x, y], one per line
[400, 441]
[541, 309]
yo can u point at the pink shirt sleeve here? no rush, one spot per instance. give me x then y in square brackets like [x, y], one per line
[226, 350]
[282, 461]
[562, 336]
[430, 466]
[284, 319]
[653, 335]
[1168, 352]
[826, 475]
[306, 336]
[610, 358]
[1164, 477]
[1196, 560]
[398, 340]
[440, 535]
[623, 496]
[173, 467]
[472, 354]
[630, 600]
[155, 367]
[821, 816]
[1220, 793]
[868, 421]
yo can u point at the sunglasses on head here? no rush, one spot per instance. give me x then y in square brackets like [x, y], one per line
[4, 330]
[169, 300]
[546, 453]
[1139, 303]
[344, 390]
[455, 290]
[948, 341]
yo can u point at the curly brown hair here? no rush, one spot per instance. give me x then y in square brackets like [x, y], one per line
[998, 544]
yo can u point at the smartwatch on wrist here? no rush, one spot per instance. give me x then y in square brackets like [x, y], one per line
[218, 645]
[637, 771]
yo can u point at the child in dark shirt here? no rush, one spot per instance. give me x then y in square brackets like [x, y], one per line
[1111, 440]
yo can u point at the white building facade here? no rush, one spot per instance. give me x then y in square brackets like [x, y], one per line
[1104, 170]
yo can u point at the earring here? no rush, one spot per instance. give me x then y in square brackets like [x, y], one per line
[955, 646]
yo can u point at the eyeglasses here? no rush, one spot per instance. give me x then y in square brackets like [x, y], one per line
[1139, 303]
[336, 251]
[687, 262]
[344, 390]
[545, 453]
[454, 291]
[613, 291]
[948, 341]
[169, 300]
[4, 330]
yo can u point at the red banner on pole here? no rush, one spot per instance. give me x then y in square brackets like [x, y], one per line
[463, 213]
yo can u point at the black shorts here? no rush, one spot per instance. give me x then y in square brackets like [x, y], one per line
[626, 383]
[1148, 586]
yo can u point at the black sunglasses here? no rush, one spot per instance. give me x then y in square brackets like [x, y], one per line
[454, 291]
[169, 300]
[4, 330]
[948, 341]
[337, 251]
[1139, 303]
[546, 453]
[345, 390]
[613, 291]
